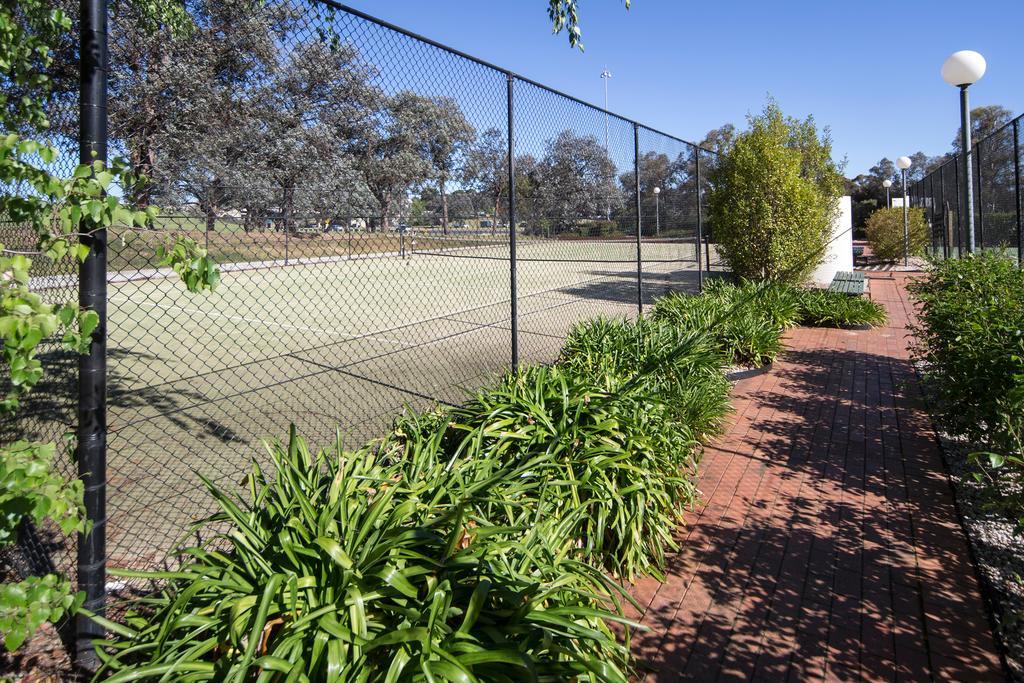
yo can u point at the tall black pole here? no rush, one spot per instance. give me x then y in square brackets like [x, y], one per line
[700, 220]
[1016, 185]
[945, 212]
[512, 222]
[981, 199]
[906, 222]
[639, 223]
[967, 202]
[92, 367]
[959, 220]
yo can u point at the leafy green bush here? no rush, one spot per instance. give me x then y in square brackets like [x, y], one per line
[677, 365]
[742, 330]
[885, 233]
[970, 342]
[825, 308]
[614, 465]
[772, 198]
[344, 566]
[31, 489]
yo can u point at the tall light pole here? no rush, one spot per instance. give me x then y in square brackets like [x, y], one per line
[657, 213]
[962, 69]
[606, 76]
[903, 163]
[888, 200]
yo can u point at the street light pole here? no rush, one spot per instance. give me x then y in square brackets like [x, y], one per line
[962, 69]
[903, 163]
[606, 76]
[888, 199]
[657, 213]
[968, 165]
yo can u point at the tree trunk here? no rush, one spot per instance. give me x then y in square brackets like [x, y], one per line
[287, 200]
[494, 217]
[444, 206]
[211, 219]
[385, 209]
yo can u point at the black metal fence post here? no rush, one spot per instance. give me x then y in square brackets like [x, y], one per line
[959, 221]
[1016, 186]
[512, 222]
[980, 200]
[92, 367]
[944, 224]
[700, 220]
[639, 222]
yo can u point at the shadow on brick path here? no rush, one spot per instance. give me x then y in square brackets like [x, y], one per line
[827, 543]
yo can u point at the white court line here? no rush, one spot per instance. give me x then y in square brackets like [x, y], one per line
[266, 323]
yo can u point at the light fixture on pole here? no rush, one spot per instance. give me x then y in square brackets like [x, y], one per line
[903, 163]
[657, 212]
[963, 69]
[606, 76]
[888, 200]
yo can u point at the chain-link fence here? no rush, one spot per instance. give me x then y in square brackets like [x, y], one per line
[352, 180]
[996, 184]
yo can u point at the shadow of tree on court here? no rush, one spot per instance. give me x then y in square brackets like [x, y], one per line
[620, 287]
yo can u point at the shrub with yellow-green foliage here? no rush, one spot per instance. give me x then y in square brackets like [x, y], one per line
[773, 196]
[885, 233]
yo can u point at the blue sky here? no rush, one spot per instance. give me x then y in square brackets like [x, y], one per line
[868, 69]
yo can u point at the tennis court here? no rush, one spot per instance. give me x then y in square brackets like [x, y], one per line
[339, 344]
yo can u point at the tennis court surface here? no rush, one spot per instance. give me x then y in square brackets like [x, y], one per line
[336, 344]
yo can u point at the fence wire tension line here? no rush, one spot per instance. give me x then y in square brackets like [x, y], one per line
[395, 222]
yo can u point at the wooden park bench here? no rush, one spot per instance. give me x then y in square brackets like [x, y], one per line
[847, 282]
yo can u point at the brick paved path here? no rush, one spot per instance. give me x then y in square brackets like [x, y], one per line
[827, 545]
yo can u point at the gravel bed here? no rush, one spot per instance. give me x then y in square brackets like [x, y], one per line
[998, 550]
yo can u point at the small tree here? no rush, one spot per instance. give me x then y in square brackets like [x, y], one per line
[885, 233]
[773, 196]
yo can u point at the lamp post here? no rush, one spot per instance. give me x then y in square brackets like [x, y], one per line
[657, 213]
[606, 76]
[962, 69]
[903, 163]
[888, 200]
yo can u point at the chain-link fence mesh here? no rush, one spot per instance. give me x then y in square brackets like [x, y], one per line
[996, 184]
[352, 182]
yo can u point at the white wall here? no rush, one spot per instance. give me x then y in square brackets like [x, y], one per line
[839, 252]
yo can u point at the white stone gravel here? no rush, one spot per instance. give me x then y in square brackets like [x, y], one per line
[998, 550]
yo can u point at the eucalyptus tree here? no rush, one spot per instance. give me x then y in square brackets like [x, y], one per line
[387, 149]
[486, 167]
[574, 179]
[181, 101]
[308, 113]
[443, 135]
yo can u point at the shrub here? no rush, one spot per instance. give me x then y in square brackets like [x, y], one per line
[613, 465]
[970, 341]
[772, 198]
[679, 366]
[885, 233]
[743, 332]
[340, 566]
[825, 308]
[30, 489]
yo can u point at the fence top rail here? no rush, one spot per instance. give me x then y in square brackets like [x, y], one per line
[511, 74]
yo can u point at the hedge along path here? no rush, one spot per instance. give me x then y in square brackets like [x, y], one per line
[827, 542]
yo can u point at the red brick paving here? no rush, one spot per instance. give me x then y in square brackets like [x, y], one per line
[827, 544]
